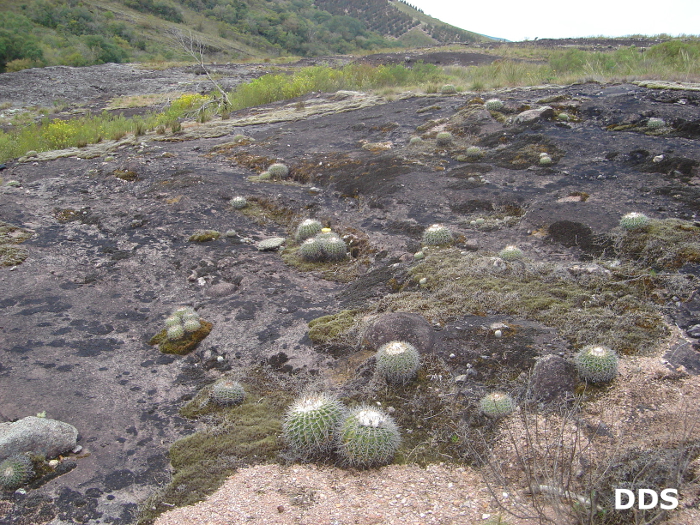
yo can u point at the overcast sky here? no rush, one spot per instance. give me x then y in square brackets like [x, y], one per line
[529, 19]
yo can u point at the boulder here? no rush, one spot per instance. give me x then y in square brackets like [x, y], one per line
[400, 326]
[531, 115]
[38, 435]
[553, 379]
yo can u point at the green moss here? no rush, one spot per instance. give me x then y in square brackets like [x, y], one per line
[326, 328]
[663, 244]
[204, 236]
[182, 346]
[12, 255]
[11, 234]
[339, 271]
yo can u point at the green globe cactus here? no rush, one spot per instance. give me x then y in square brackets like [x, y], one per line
[444, 138]
[596, 364]
[493, 104]
[398, 362]
[511, 253]
[655, 123]
[227, 392]
[175, 332]
[15, 471]
[496, 404]
[265, 175]
[333, 247]
[311, 423]
[278, 170]
[437, 235]
[307, 229]
[239, 202]
[310, 250]
[633, 221]
[191, 325]
[415, 141]
[173, 320]
[474, 152]
[448, 89]
[368, 437]
[545, 160]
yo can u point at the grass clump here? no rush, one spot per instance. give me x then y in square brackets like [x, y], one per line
[329, 327]
[664, 244]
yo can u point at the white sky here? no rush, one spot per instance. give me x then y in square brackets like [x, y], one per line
[529, 19]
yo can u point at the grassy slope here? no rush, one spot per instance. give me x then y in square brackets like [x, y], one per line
[429, 20]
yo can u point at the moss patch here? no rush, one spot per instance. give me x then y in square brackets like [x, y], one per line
[663, 245]
[182, 346]
[324, 329]
[204, 236]
[265, 211]
[10, 236]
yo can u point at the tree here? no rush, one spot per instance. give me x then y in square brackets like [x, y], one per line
[17, 40]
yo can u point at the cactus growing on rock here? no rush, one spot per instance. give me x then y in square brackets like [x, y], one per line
[333, 247]
[310, 250]
[368, 437]
[278, 170]
[15, 471]
[311, 423]
[444, 138]
[448, 89]
[496, 404]
[655, 123]
[474, 152]
[227, 392]
[437, 235]
[493, 104]
[596, 364]
[398, 362]
[306, 229]
[239, 202]
[511, 253]
[634, 220]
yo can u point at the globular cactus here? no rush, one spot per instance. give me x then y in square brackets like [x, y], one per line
[238, 202]
[545, 159]
[333, 247]
[511, 253]
[493, 104]
[398, 362]
[15, 471]
[311, 423]
[183, 320]
[310, 250]
[496, 404]
[191, 325]
[368, 437]
[448, 89]
[415, 141]
[474, 152]
[278, 170]
[227, 392]
[176, 332]
[596, 364]
[437, 235]
[655, 123]
[444, 138]
[306, 229]
[634, 220]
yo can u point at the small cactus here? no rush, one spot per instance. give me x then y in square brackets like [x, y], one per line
[311, 423]
[310, 250]
[333, 247]
[437, 235]
[15, 471]
[191, 325]
[227, 392]
[511, 253]
[415, 141]
[368, 437]
[545, 160]
[238, 202]
[634, 220]
[496, 404]
[655, 123]
[596, 364]
[448, 89]
[306, 229]
[474, 152]
[278, 171]
[493, 104]
[444, 138]
[176, 332]
[398, 362]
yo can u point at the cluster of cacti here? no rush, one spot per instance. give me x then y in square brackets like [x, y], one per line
[307, 229]
[227, 392]
[634, 220]
[311, 423]
[368, 437]
[444, 138]
[324, 246]
[182, 321]
[655, 123]
[278, 170]
[511, 253]
[596, 364]
[15, 471]
[238, 202]
[437, 235]
[317, 424]
[493, 104]
[448, 89]
[398, 362]
[496, 404]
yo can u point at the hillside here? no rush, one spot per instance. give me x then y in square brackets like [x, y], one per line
[49, 32]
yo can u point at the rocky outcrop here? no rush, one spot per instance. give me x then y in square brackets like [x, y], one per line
[37, 435]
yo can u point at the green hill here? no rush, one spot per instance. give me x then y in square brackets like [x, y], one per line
[51, 32]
